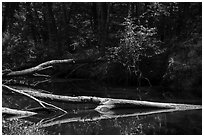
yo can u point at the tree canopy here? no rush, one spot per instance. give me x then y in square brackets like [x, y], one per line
[150, 40]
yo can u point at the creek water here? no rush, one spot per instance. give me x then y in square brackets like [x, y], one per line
[188, 122]
[82, 119]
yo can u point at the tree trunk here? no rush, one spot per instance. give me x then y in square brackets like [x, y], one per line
[54, 47]
[102, 15]
[106, 104]
[31, 23]
[67, 13]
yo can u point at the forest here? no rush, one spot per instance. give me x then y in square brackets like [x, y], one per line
[110, 54]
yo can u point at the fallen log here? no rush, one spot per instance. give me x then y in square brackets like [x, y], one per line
[17, 112]
[106, 104]
[40, 67]
[46, 65]
[115, 103]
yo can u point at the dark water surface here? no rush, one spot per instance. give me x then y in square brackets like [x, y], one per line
[82, 119]
[175, 123]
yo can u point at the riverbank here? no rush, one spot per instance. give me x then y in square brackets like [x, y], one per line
[21, 127]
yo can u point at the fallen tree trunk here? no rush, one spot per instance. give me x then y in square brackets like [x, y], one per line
[39, 67]
[46, 65]
[17, 112]
[106, 104]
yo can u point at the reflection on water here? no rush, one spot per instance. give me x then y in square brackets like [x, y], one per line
[186, 122]
[82, 119]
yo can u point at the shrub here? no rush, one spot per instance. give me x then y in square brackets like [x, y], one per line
[136, 41]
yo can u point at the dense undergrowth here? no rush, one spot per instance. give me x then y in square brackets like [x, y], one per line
[21, 127]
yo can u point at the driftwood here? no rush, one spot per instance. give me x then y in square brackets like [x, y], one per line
[106, 104]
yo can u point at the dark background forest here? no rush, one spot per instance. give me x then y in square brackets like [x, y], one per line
[118, 44]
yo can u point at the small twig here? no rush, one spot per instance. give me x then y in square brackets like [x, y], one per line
[54, 106]
[41, 75]
[7, 81]
[39, 82]
[48, 67]
[148, 81]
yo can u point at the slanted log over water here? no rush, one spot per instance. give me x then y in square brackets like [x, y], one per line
[106, 104]
[37, 68]
[47, 65]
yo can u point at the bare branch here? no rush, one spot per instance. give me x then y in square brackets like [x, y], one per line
[32, 97]
[17, 113]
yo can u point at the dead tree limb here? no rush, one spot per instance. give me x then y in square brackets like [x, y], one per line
[17, 112]
[46, 65]
[40, 67]
[42, 103]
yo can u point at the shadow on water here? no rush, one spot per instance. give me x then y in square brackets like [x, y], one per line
[82, 119]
